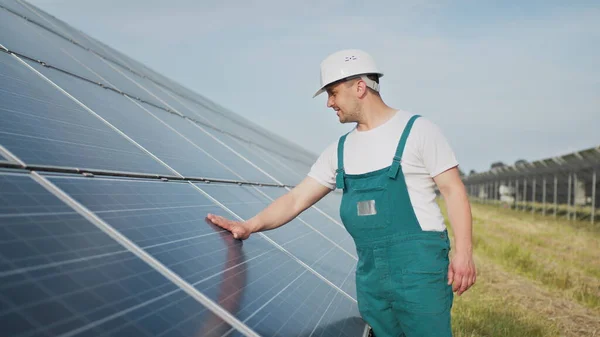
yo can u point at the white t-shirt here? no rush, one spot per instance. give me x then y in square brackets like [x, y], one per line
[427, 154]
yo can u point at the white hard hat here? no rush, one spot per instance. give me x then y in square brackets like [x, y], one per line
[345, 64]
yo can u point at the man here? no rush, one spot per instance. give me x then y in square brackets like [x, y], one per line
[387, 167]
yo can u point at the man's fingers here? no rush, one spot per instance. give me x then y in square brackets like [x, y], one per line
[450, 275]
[458, 279]
[220, 221]
[467, 281]
[464, 285]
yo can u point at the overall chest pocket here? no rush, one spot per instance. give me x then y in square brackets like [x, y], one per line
[367, 207]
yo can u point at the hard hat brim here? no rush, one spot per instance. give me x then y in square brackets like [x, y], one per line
[320, 91]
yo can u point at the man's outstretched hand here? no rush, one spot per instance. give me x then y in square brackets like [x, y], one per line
[239, 230]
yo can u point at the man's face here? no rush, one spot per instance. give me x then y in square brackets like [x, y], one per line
[342, 97]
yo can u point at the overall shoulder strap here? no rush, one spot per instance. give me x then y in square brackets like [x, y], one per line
[393, 173]
[339, 178]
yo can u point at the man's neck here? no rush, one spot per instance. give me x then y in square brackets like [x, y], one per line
[374, 115]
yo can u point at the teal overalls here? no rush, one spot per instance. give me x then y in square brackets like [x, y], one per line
[401, 275]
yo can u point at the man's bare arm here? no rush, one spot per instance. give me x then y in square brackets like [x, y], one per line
[459, 211]
[278, 213]
[462, 268]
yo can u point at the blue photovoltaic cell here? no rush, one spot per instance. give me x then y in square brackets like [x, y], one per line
[310, 247]
[210, 114]
[216, 149]
[254, 280]
[294, 170]
[124, 62]
[42, 18]
[281, 174]
[230, 162]
[59, 274]
[42, 126]
[182, 155]
[30, 40]
[300, 168]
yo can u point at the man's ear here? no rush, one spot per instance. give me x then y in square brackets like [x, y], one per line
[361, 88]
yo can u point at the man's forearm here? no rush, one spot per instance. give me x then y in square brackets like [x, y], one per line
[278, 213]
[459, 214]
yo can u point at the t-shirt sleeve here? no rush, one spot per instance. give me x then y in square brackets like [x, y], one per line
[436, 152]
[323, 170]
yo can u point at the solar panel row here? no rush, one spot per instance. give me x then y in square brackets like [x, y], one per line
[122, 72]
[134, 256]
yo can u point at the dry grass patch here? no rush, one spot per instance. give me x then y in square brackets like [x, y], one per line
[536, 277]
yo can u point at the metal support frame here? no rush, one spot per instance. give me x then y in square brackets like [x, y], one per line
[544, 196]
[516, 194]
[524, 194]
[593, 196]
[555, 195]
[107, 173]
[574, 204]
[496, 192]
[533, 197]
[569, 196]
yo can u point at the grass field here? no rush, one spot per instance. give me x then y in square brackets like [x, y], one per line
[536, 276]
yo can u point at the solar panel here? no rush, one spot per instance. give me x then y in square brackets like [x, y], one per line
[114, 69]
[276, 172]
[29, 39]
[43, 126]
[167, 221]
[61, 275]
[107, 172]
[139, 122]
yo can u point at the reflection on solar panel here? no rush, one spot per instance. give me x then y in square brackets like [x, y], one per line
[107, 171]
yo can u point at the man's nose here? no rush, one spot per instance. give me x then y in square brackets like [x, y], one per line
[329, 102]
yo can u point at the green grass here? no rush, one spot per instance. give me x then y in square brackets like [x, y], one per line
[482, 312]
[537, 276]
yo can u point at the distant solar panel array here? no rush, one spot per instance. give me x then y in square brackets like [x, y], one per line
[564, 185]
[107, 171]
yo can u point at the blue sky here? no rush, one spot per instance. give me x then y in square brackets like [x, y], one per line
[504, 80]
